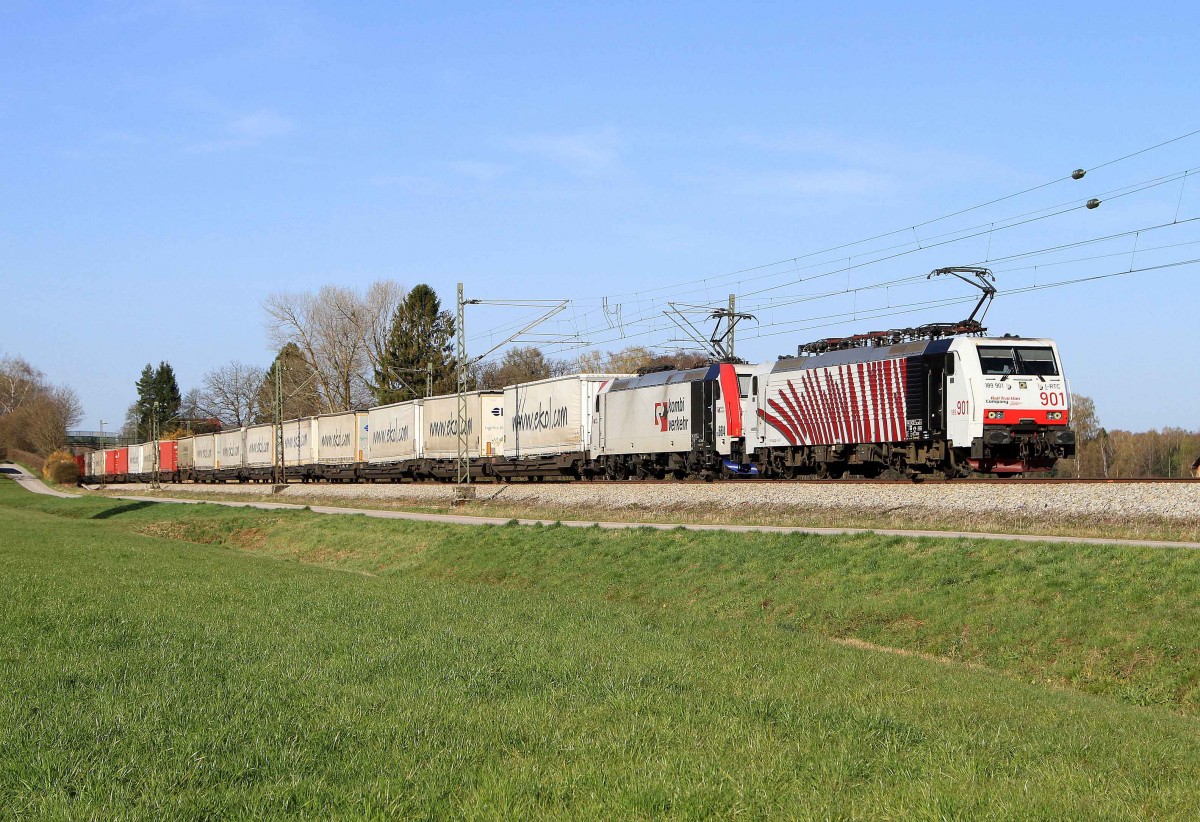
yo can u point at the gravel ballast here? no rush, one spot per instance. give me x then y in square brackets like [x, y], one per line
[1178, 501]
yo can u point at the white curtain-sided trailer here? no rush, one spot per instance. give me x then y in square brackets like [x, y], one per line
[145, 458]
[186, 457]
[484, 424]
[648, 415]
[393, 439]
[548, 423]
[230, 450]
[336, 438]
[298, 450]
[260, 451]
[135, 460]
[204, 456]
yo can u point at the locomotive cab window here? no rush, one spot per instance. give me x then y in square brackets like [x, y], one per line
[997, 361]
[1038, 362]
[744, 385]
[1003, 360]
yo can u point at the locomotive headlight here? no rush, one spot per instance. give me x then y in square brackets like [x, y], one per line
[1054, 415]
[995, 415]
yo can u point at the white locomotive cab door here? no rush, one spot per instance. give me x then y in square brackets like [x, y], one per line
[960, 404]
[755, 405]
[597, 423]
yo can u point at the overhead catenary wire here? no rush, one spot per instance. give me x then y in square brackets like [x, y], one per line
[925, 305]
[976, 231]
[840, 318]
[786, 300]
[641, 317]
[851, 244]
[971, 232]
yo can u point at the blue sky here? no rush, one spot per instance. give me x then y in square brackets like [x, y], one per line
[166, 165]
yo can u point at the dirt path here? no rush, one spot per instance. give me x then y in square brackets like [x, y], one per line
[457, 519]
[31, 483]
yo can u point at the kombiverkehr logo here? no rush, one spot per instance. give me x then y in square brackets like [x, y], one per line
[668, 416]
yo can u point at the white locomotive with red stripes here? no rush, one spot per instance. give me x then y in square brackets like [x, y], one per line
[948, 406]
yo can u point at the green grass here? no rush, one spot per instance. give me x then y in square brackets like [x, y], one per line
[420, 670]
[1103, 619]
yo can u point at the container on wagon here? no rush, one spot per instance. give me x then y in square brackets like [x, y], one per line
[394, 433]
[260, 446]
[297, 442]
[336, 438]
[204, 452]
[553, 416]
[135, 460]
[168, 456]
[185, 460]
[484, 425]
[661, 412]
[230, 448]
[121, 461]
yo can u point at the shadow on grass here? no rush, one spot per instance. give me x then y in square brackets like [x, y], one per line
[122, 509]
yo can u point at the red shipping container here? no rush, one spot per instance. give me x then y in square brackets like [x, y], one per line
[81, 461]
[122, 461]
[168, 456]
[110, 461]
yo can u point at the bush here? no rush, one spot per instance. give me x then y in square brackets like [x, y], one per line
[61, 468]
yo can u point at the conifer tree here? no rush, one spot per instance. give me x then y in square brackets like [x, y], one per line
[421, 334]
[158, 398]
[166, 390]
[301, 395]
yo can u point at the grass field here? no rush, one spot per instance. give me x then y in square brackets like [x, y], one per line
[202, 661]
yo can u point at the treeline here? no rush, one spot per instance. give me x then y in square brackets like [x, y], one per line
[1117, 454]
[339, 348]
[34, 413]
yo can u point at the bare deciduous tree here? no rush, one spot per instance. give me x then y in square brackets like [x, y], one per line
[635, 357]
[230, 392]
[339, 331]
[191, 406]
[34, 415]
[381, 300]
[50, 415]
[18, 382]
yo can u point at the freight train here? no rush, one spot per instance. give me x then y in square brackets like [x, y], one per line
[944, 404]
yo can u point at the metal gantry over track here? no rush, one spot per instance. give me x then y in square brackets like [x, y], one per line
[463, 490]
[719, 345]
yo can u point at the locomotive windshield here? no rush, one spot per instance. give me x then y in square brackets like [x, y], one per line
[1003, 360]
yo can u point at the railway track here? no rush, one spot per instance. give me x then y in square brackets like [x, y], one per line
[903, 481]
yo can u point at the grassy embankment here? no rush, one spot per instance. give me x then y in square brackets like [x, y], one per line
[162, 660]
[910, 517]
